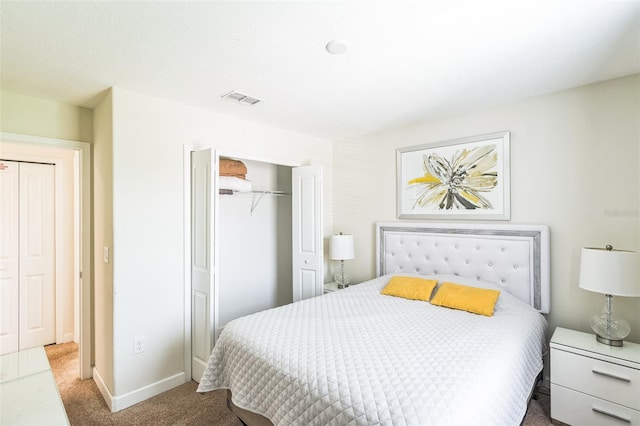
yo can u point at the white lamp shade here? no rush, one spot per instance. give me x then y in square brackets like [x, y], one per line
[614, 272]
[341, 247]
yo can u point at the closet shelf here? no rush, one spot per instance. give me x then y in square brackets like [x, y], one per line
[256, 195]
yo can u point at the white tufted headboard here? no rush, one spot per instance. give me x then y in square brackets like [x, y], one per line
[516, 257]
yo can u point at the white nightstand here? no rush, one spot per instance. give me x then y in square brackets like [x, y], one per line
[592, 383]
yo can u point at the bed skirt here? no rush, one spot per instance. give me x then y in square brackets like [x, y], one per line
[249, 418]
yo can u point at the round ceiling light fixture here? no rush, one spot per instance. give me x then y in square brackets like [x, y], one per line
[336, 47]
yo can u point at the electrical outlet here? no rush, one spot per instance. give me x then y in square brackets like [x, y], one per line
[138, 345]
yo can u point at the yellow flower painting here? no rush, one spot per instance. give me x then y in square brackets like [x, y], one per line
[457, 183]
[465, 178]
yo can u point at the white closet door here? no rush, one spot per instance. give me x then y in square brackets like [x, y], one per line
[8, 257]
[203, 315]
[37, 251]
[307, 249]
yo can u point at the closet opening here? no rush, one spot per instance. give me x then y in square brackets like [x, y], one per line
[254, 239]
[252, 243]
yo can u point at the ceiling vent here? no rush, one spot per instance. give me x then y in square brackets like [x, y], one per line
[241, 98]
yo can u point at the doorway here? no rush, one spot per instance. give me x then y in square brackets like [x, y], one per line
[72, 162]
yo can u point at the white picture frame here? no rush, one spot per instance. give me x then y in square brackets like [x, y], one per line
[466, 178]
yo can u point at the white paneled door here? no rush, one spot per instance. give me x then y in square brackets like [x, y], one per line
[307, 244]
[27, 255]
[202, 261]
[9, 259]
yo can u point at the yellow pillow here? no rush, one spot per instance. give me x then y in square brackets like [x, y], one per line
[471, 299]
[410, 288]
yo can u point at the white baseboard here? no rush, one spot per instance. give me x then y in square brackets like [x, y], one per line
[104, 390]
[117, 403]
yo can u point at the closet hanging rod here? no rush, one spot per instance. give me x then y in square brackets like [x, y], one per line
[271, 192]
[254, 202]
[230, 192]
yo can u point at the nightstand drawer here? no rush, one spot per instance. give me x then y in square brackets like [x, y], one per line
[601, 379]
[576, 408]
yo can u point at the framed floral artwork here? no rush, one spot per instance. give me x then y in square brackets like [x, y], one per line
[465, 178]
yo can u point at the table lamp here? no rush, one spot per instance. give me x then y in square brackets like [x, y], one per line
[341, 248]
[613, 273]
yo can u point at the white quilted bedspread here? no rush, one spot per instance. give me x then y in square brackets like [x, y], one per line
[355, 357]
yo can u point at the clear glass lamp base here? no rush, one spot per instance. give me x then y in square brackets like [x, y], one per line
[341, 279]
[609, 329]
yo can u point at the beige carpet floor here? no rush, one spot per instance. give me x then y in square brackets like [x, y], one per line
[179, 406]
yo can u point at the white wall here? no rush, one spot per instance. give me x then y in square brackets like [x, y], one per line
[574, 166]
[27, 115]
[148, 269]
[103, 237]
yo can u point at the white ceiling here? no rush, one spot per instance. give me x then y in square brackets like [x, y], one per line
[406, 61]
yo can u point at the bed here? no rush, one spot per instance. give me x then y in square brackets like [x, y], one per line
[358, 357]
